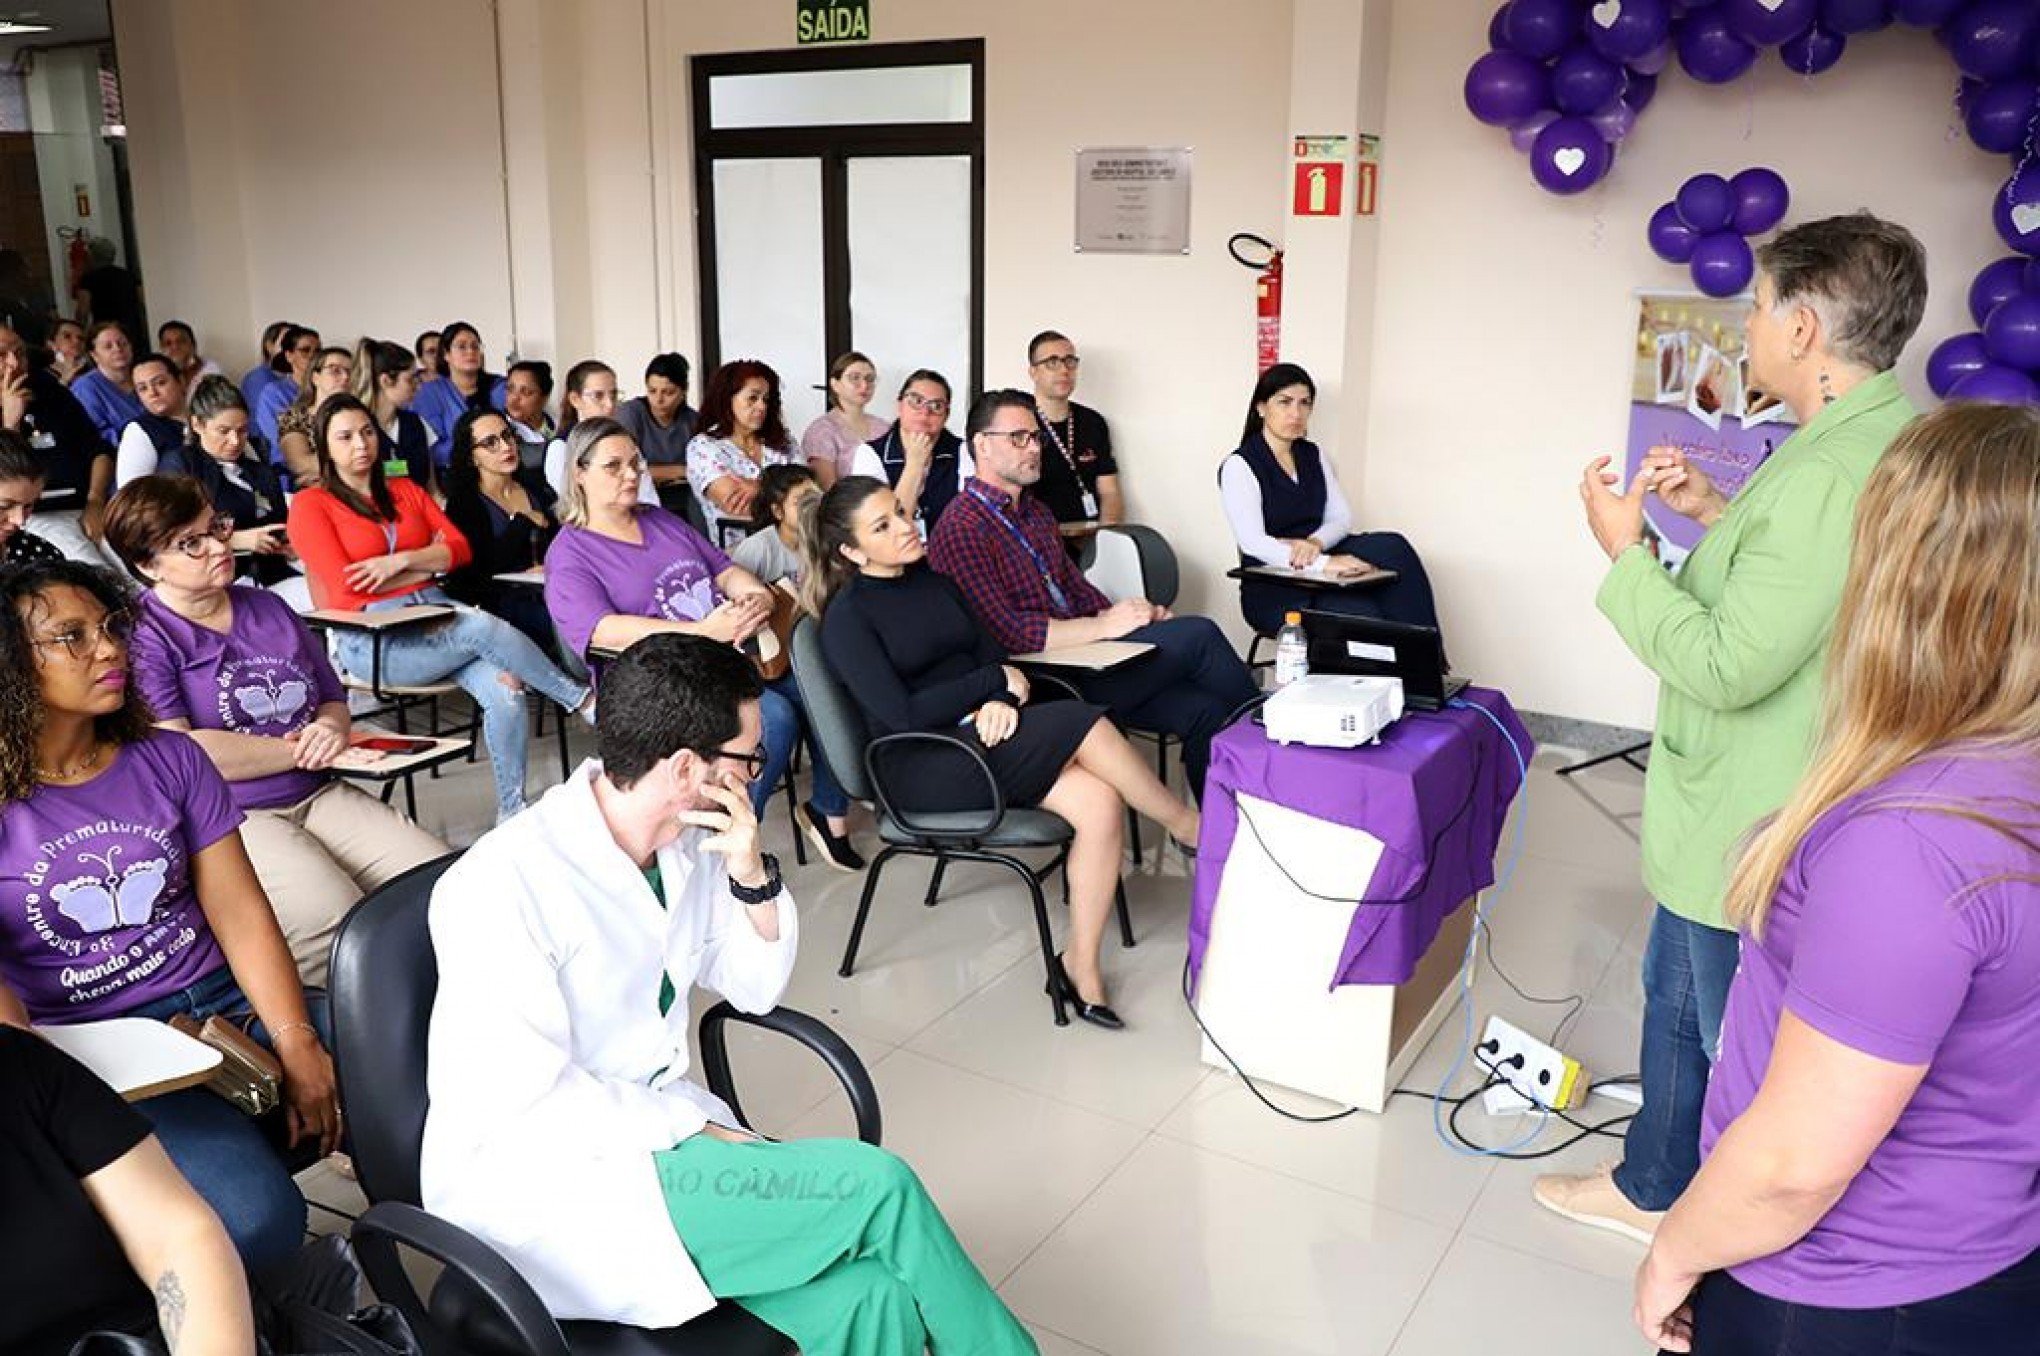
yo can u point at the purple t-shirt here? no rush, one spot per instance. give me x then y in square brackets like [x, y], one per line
[1900, 932]
[97, 911]
[266, 676]
[589, 576]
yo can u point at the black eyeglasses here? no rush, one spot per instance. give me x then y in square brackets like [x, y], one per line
[1056, 362]
[504, 440]
[753, 760]
[1022, 438]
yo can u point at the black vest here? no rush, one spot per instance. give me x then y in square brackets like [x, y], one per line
[1289, 508]
[167, 434]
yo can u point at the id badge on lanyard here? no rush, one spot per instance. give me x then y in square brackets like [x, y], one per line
[1069, 455]
[394, 467]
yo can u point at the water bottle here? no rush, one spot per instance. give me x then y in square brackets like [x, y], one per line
[1292, 651]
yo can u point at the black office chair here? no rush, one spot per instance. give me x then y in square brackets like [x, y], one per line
[383, 980]
[1160, 582]
[989, 836]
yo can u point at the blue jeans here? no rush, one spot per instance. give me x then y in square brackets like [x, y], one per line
[1998, 1316]
[474, 649]
[1687, 968]
[785, 719]
[220, 1151]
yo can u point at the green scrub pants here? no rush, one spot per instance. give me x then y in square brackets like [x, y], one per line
[835, 1243]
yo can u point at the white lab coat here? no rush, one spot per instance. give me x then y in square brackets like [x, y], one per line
[553, 1079]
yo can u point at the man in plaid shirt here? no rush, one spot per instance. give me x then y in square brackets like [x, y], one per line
[1002, 547]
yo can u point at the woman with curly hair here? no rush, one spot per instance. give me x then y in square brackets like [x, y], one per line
[125, 891]
[742, 431]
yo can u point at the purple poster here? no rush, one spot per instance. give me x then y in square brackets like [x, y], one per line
[1692, 391]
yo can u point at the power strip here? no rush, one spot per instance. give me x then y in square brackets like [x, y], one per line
[1529, 1073]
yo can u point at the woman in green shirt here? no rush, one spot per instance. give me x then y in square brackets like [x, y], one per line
[1736, 640]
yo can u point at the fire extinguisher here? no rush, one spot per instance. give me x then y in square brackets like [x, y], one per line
[1260, 254]
[77, 258]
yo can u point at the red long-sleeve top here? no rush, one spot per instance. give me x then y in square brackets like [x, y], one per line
[329, 537]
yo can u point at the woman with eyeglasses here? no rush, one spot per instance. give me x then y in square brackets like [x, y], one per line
[589, 393]
[742, 431]
[621, 570]
[331, 373]
[296, 351]
[126, 891]
[465, 383]
[832, 442]
[386, 380]
[918, 456]
[370, 543]
[236, 669]
[1286, 509]
[505, 510]
[243, 489]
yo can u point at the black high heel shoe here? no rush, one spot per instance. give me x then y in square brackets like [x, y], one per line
[1097, 1014]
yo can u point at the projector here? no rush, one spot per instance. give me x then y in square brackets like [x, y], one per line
[1333, 710]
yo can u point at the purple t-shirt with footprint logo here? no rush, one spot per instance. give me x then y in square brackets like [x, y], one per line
[97, 911]
[267, 675]
[589, 576]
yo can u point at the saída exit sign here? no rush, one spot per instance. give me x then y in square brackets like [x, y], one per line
[833, 21]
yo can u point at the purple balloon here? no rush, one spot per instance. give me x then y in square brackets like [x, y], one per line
[2015, 211]
[1655, 60]
[1497, 36]
[1710, 51]
[1996, 385]
[2031, 282]
[1992, 39]
[1812, 51]
[1506, 87]
[1541, 29]
[1766, 23]
[1671, 239]
[1855, 16]
[1705, 203]
[1999, 114]
[1953, 359]
[1761, 200]
[2011, 333]
[1624, 30]
[1995, 284]
[1722, 264]
[1523, 135]
[1926, 13]
[1614, 121]
[1569, 156]
[1583, 80]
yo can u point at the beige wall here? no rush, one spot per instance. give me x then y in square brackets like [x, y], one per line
[1504, 314]
[1470, 341]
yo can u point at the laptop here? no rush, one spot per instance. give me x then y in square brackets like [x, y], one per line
[1368, 645]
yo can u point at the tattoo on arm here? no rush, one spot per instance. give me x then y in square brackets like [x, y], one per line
[170, 1307]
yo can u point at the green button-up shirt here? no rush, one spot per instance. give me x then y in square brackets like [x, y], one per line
[1737, 641]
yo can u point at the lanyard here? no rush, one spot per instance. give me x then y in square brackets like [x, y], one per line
[389, 532]
[1055, 591]
[1069, 453]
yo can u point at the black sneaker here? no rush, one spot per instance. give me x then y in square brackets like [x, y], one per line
[834, 847]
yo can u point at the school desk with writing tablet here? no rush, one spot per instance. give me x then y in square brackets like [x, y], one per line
[1100, 656]
[1312, 579]
[136, 1056]
[387, 619]
[533, 578]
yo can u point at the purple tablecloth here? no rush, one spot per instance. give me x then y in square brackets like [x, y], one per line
[1434, 791]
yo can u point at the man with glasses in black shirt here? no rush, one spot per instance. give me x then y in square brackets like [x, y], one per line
[1079, 479]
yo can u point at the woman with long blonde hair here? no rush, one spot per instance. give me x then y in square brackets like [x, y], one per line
[1871, 1175]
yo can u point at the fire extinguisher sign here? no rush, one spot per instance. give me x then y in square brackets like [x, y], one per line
[1318, 179]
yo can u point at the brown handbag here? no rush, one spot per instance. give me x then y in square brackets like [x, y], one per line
[771, 649]
[248, 1076]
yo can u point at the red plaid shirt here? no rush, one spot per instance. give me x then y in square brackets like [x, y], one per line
[979, 546]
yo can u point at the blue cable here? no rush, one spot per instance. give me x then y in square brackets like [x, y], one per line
[1466, 965]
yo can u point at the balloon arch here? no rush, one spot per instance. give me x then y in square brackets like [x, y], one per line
[1569, 78]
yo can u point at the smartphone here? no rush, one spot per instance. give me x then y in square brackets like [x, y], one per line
[392, 744]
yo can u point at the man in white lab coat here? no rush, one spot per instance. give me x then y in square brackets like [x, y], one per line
[562, 1128]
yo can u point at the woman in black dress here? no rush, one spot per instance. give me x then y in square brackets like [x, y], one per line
[904, 643]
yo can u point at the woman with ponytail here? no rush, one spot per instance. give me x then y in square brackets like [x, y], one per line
[1871, 1142]
[905, 644]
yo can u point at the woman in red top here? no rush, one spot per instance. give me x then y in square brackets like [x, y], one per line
[370, 543]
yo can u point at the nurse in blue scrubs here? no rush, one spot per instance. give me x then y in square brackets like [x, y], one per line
[467, 385]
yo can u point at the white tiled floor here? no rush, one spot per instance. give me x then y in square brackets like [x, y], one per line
[1127, 1200]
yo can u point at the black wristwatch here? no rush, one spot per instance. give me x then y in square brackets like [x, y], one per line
[759, 894]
